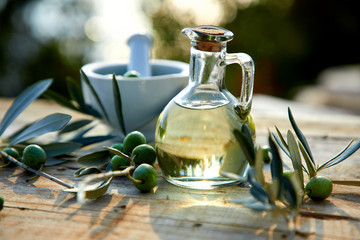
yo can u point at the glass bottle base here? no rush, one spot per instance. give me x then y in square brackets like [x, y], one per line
[202, 183]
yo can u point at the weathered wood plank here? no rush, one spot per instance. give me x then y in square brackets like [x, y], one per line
[40, 210]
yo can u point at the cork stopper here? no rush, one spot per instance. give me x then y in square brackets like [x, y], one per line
[208, 37]
[206, 30]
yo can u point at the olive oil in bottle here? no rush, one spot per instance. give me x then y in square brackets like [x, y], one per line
[194, 137]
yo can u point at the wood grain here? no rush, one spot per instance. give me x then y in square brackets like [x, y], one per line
[41, 210]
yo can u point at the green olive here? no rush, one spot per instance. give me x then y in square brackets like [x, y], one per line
[118, 146]
[288, 174]
[319, 188]
[133, 140]
[266, 154]
[132, 74]
[118, 163]
[144, 153]
[34, 156]
[147, 175]
[11, 152]
[1, 203]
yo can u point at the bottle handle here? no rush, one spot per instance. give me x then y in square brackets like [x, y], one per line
[248, 71]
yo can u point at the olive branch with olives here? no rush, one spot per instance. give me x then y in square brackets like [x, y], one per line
[287, 188]
[22, 147]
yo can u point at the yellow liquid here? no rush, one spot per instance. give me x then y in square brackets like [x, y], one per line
[196, 147]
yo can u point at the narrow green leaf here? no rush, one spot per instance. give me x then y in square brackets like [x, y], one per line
[22, 101]
[60, 99]
[344, 154]
[86, 171]
[51, 161]
[85, 141]
[309, 164]
[300, 136]
[91, 111]
[280, 144]
[296, 190]
[93, 191]
[257, 190]
[81, 133]
[75, 92]
[246, 130]
[94, 158]
[245, 146]
[289, 192]
[273, 189]
[259, 164]
[13, 135]
[79, 137]
[276, 163]
[295, 157]
[60, 148]
[73, 126]
[118, 104]
[117, 152]
[92, 89]
[282, 138]
[50, 123]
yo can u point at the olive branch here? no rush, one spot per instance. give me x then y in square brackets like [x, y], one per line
[287, 190]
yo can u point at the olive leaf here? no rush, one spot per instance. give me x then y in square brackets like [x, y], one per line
[60, 148]
[295, 157]
[80, 134]
[17, 132]
[93, 191]
[60, 99]
[75, 92]
[344, 154]
[292, 148]
[94, 158]
[85, 141]
[92, 89]
[290, 192]
[257, 190]
[259, 164]
[246, 145]
[276, 163]
[273, 188]
[300, 136]
[52, 161]
[23, 101]
[77, 97]
[280, 141]
[50, 123]
[118, 153]
[309, 164]
[76, 125]
[118, 104]
[265, 195]
[85, 171]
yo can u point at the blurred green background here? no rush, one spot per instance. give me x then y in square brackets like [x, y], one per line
[291, 41]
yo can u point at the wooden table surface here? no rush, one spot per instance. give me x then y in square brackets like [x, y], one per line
[41, 210]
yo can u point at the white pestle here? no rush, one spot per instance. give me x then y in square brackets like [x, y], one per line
[140, 45]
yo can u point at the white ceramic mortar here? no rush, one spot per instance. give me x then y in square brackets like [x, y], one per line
[142, 98]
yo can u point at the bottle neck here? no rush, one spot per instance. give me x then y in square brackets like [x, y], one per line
[206, 80]
[206, 63]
